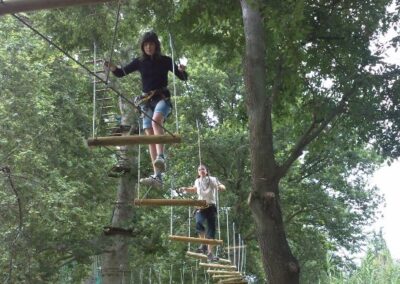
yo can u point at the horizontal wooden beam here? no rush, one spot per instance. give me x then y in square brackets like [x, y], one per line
[133, 140]
[16, 6]
[169, 202]
[204, 257]
[221, 272]
[196, 240]
[232, 280]
[223, 276]
[219, 266]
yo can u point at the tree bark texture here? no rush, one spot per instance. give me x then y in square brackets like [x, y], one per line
[115, 266]
[280, 266]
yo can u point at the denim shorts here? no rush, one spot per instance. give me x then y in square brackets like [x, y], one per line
[206, 215]
[162, 106]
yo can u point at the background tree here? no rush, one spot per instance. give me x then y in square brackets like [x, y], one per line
[320, 82]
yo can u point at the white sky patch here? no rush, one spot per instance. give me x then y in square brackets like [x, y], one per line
[387, 180]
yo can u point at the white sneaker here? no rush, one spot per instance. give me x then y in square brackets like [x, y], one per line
[159, 164]
[152, 181]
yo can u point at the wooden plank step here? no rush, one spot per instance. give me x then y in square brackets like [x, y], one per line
[223, 272]
[133, 140]
[204, 257]
[219, 266]
[196, 240]
[169, 202]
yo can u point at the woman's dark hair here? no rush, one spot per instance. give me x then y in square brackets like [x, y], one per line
[203, 166]
[150, 37]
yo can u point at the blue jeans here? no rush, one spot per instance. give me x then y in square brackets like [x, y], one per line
[206, 215]
[162, 106]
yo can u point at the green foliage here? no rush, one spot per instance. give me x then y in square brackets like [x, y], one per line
[315, 52]
[377, 266]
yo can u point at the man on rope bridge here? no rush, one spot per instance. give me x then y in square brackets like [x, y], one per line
[206, 188]
[155, 100]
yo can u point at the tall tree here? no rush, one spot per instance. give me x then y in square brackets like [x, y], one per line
[283, 74]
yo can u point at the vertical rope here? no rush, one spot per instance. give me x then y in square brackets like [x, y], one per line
[113, 41]
[150, 275]
[174, 83]
[139, 157]
[171, 208]
[198, 140]
[239, 253]
[218, 223]
[243, 256]
[189, 221]
[94, 91]
[244, 261]
[234, 244]
[227, 232]
[170, 275]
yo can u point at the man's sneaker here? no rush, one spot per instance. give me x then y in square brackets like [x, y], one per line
[212, 258]
[202, 249]
[159, 163]
[152, 181]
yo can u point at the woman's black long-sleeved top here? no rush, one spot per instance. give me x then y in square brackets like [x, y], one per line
[154, 72]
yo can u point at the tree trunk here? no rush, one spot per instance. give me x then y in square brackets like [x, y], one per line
[280, 266]
[115, 266]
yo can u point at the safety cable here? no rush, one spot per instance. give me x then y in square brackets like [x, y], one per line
[113, 41]
[94, 92]
[173, 81]
[198, 140]
[90, 72]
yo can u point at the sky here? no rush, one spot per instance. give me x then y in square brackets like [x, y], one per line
[387, 179]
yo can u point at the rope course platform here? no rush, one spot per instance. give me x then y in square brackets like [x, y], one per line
[133, 140]
[168, 202]
[196, 240]
[16, 6]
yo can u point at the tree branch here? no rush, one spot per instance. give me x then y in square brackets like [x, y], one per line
[314, 130]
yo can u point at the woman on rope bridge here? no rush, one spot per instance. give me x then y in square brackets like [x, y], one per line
[206, 188]
[155, 100]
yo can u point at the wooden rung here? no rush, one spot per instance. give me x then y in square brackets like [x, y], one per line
[204, 257]
[216, 265]
[111, 231]
[236, 247]
[221, 272]
[234, 282]
[223, 276]
[169, 202]
[134, 139]
[231, 279]
[196, 240]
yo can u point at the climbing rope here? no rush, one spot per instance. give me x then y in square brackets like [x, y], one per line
[113, 41]
[174, 82]
[198, 140]
[90, 72]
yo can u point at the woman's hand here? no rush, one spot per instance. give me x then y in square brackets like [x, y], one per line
[181, 189]
[110, 65]
[181, 67]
